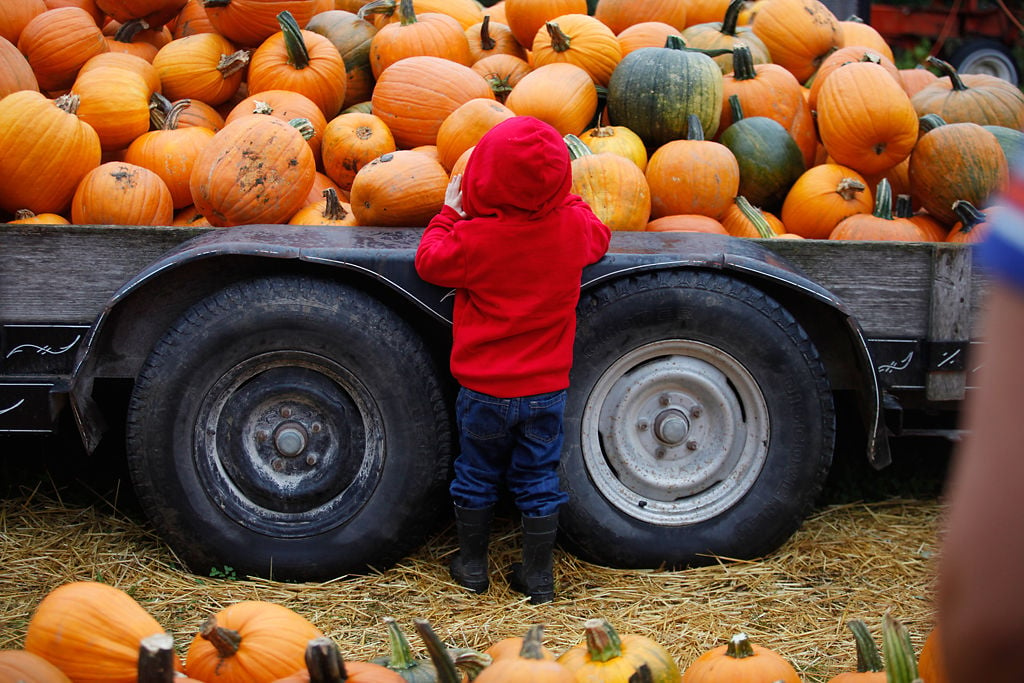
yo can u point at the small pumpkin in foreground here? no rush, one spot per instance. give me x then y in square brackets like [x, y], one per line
[324, 664]
[398, 189]
[881, 224]
[607, 656]
[740, 660]
[530, 666]
[120, 193]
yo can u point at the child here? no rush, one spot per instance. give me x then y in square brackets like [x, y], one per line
[513, 242]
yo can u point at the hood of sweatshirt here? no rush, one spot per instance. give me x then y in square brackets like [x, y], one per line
[521, 166]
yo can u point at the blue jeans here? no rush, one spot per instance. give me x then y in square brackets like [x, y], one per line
[517, 441]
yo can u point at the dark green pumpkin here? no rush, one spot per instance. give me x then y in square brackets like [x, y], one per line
[1010, 139]
[770, 160]
[653, 89]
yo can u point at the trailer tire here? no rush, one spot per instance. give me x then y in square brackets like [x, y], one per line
[290, 428]
[700, 423]
[986, 56]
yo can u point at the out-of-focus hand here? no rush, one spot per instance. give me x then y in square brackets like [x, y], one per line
[453, 194]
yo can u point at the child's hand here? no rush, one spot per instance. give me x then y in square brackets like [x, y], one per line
[453, 194]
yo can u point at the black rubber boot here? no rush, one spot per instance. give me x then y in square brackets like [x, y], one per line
[469, 566]
[533, 577]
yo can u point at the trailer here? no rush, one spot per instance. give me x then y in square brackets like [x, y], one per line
[287, 410]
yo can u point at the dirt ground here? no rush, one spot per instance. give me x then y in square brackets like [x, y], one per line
[869, 548]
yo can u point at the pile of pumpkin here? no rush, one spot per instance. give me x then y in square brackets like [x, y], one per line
[90, 632]
[756, 118]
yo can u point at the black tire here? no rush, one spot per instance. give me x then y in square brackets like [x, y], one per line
[289, 428]
[699, 423]
[986, 56]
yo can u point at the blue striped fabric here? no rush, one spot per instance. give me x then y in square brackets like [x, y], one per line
[1002, 251]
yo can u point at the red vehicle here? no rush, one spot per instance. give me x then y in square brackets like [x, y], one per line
[976, 36]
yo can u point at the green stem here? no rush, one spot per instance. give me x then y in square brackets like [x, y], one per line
[486, 41]
[739, 647]
[732, 16]
[304, 126]
[694, 128]
[868, 658]
[603, 643]
[298, 55]
[406, 13]
[883, 200]
[755, 216]
[948, 69]
[446, 672]
[577, 148]
[560, 41]
[735, 108]
[900, 663]
[968, 214]
[533, 645]
[742, 63]
[929, 122]
[401, 655]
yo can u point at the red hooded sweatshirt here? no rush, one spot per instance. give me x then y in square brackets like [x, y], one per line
[515, 262]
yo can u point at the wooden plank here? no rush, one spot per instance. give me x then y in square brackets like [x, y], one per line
[949, 321]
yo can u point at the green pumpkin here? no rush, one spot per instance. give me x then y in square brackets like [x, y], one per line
[1010, 139]
[770, 160]
[653, 89]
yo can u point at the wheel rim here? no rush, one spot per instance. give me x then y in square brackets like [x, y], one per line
[288, 443]
[675, 432]
[989, 61]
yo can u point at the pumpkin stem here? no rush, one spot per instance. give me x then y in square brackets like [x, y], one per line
[900, 663]
[127, 31]
[739, 647]
[156, 659]
[904, 207]
[677, 43]
[755, 216]
[304, 126]
[324, 662]
[735, 108]
[216, 3]
[159, 108]
[948, 69]
[577, 148]
[232, 63]
[261, 107]
[225, 640]
[68, 103]
[603, 643]
[401, 656]
[642, 674]
[472, 662]
[868, 658]
[742, 63]
[23, 214]
[298, 54]
[883, 200]
[174, 113]
[602, 129]
[385, 7]
[929, 122]
[732, 16]
[694, 128]
[533, 643]
[446, 672]
[560, 41]
[849, 187]
[968, 214]
[486, 41]
[406, 13]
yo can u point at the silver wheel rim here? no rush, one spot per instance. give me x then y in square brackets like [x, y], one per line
[675, 432]
[991, 62]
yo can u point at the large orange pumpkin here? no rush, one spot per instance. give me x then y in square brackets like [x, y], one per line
[798, 33]
[256, 169]
[428, 33]
[880, 225]
[618, 15]
[865, 119]
[489, 37]
[416, 94]
[40, 171]
[570, 111]
[15, 15]
[350, 142]
[26, 667]
[285, 105]
[464, 127]
[403, 188]
[821, 197]
[976, 98]
[842, 57]
[606, 656]
[119, 193]
[726, 34]
[115, 102]
[58, 42]
[248, 23]
[581, 40]
[645, 34]
[203, 66]
[91, 631]
[123, 60]
[251, 641]
[857, 32]
[740, 660]
[526, 17]
[301, 61]
[614, 187]
[15, 72]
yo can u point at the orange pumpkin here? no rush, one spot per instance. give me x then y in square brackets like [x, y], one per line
[618, 15]
[844, 56]
[865, 119]
[416, 94]
[645, 34]
[617, 140]
[976, 98]
[606, 655]
[301, 61]
[26, 217]
[464, 127]
[350, 142]
[248, 642]
[256, 169]
[151, 12]
[932, 229]
[27, 667]
[198, 113]
[869, 663]
[57, 42]
[856, 32]
[41, 172]
[123, 60]
[972, 225]
[930, 665]
[466, 12]
[488, 37]
[692, 176]
[880, 225]
[799, 34]
[115, 102]
[204, 67]
[351, 36]
[614, 187]
[15, 72]
[328, 211]
[135, 39]
[510, 647]
[91, 631]
[743, 219]
[192, 19]
[571, 111]
[705, 11]
[15, 15]
[740, 660]
[530, 665]
[502, 72]
[285, 105]
[693, 222]
[580, 40]
[428, 33]
[171, 152]
[726, 34]
[956, 161]
[821, 197]
[915, 79]
[119, 193]
[403, 188]
[526, 17]
[247, 23]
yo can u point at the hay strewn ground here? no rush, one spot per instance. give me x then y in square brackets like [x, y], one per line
[853, 560]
